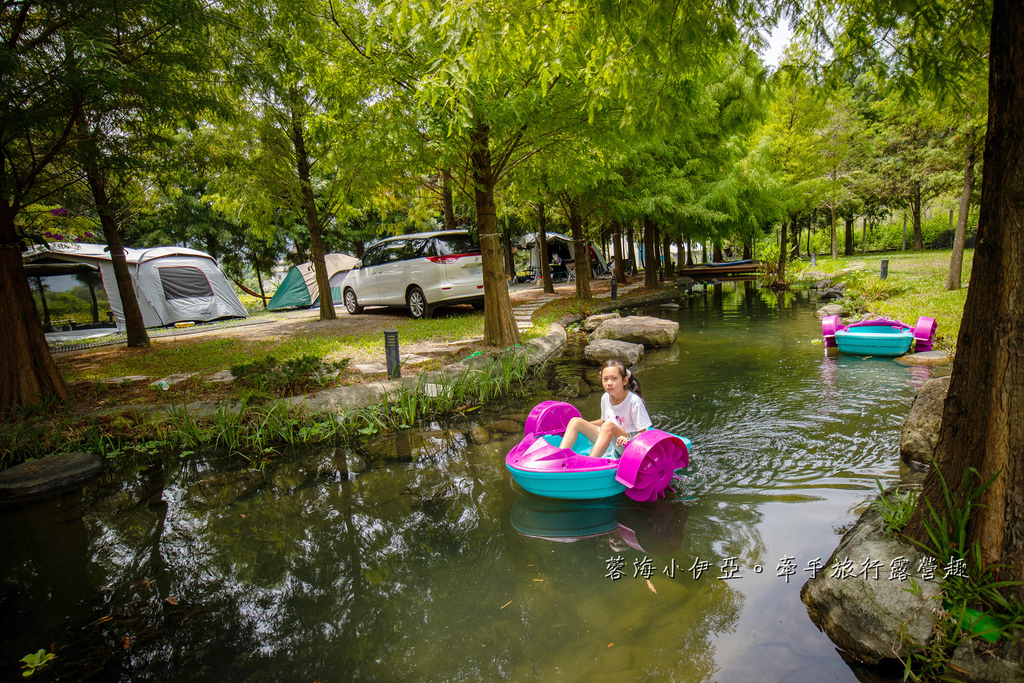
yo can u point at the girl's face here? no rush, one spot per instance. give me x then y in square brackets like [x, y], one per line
[614, 383]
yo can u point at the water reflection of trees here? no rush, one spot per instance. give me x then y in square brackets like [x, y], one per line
[408, 571]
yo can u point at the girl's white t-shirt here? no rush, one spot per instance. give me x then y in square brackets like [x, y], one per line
[631, 414]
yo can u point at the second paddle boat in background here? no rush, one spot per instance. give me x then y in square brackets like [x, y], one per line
[878, 337]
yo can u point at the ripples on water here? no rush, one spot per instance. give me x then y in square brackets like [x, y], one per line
[426, 564]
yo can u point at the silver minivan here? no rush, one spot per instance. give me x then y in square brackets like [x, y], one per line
[418, 271]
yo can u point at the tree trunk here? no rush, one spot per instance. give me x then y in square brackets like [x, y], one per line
[312, 216]
[666, 251]
[506, 249]
[446, 200]
[748, 250]
[135, 328]
[795, 252]
[47, 323]
[582, 257]
[916, 202]
[620, 271]
[707, 251]
[95, 303]
[848, 247]
[499, 324]
[680, 253]
[650, 262]
[864, 236]
[545, 258]
[810, 229]
[28, 375]
[657, 247]
[903, 245]
[981, 426]
[719, 256]
[835, 244]
[956, 260]
[263, 294]
[631, 247]
[689, 252]
[780, 275]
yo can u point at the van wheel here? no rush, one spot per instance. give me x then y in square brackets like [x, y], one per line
[418, 307]
[351, 304]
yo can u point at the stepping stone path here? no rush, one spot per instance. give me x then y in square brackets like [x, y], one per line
[524, 313]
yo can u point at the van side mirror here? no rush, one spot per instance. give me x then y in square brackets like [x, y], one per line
[358, 265]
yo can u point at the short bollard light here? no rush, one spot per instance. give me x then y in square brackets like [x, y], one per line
[814, 259]
[885, 269]
[391, 354]
[615, 289]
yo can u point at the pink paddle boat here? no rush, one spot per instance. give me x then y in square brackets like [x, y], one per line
[878, 337]
[539, 465]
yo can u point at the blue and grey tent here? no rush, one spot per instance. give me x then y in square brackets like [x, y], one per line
[299, 290]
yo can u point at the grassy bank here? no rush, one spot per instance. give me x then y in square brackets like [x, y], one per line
[916, 286]
[258, 428]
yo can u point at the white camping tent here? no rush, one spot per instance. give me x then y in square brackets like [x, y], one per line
[172, 284]
[560, 244]
[299, 288]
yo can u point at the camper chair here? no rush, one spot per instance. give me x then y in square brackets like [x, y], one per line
[571, 270]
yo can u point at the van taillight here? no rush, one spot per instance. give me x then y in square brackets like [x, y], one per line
[451, 258]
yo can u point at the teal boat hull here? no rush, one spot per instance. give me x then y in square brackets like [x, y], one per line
[874, 341]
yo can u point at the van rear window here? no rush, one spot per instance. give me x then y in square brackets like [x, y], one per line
[448, 245]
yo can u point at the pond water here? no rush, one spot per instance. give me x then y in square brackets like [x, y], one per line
[424, 563]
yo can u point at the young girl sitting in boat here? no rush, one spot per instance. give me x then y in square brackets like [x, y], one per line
[623, 413]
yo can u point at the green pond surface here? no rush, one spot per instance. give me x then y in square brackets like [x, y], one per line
[414, 558]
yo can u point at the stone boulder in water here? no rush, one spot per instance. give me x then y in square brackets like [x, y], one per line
[871, 618]
[639, 329]
[920, 430]
[601, 350]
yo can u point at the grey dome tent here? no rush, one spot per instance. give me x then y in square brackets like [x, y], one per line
[172, 284]
[299, 289]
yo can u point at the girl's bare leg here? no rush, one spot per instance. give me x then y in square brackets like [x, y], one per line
[576, 426]
[609, 430]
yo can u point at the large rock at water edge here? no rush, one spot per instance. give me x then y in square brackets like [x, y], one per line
[832, 309]
[61, 472]
[601, 350]
[639, 329]
[926, 358]
[594, 321]
[921, 428]
[872, 619]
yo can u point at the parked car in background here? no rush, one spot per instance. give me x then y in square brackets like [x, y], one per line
[419, 271]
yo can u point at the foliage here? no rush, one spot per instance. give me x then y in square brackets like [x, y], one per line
[35, 661]
[257, 426]
[289, 375]
[896, 508]
[973, 585]
[767, 253]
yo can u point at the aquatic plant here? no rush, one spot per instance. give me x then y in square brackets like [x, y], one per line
[35, 661]
[896, 509]
[973, 604]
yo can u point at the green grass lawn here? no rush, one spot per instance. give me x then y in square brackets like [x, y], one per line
[916, 286]
[207, 355]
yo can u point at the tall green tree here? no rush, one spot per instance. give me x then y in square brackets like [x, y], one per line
[76, 74]
[980, 429]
